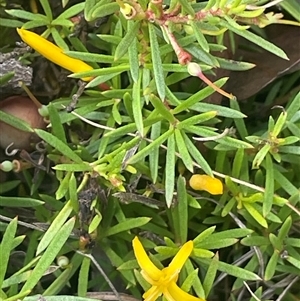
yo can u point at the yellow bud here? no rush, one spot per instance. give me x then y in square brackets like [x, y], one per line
[204, 182]
[53, 53]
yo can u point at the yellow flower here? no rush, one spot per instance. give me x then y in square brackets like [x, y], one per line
[53, 53]
[207, 183]
[163, 281]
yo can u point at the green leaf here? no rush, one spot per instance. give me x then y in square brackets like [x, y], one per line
[284, 230]
[170, 170]
[271, 266]
[137, 105]
[10, 23]
[192, 280]
[83, 277]
[55, 226]
[237, 163]
[279, 124]
[196, 154]
[276, 243]
[22, 14]
[234, 65]
[133, 55]
[260, 156]
[200, 118]
[16, 279]
[95, 223]
[199, 36]
[60, 237]
[88, 9]
[292, 7]
[255, 241]
[221, 110]
[210, 275]
[295, 262]
[95, 58]
[62, 22]
[35, 23]
[180, 212]
[161, 108]
[232, 25]
[203, 235]
[102, 71]
[64, 185]
[239, 123]
[57, 127]
[6, 77]
[269, 186]
[59, 41]
[230, 269]
[148, 149]
[7, 201]
[157, 63]
[255, 214]
[104, 10]
[15, 122]
[293, 107]
[154, 155]
[73, 193]
[127, 40]
[284, 183]
[58, 145]
[8, 185]
[73, 167]
[47, 9]
[187, 7]
[217, 244]
[72, 11]
[183, 151]
[197, 97]
[6, 247]
[128, 224]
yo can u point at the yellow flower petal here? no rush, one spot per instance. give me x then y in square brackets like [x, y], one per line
[180, 258]
[152, 293]
[178, 294]
[144, 261]
[53, 53]
[207, 183]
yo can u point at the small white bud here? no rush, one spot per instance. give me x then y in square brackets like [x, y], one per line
[193, 69]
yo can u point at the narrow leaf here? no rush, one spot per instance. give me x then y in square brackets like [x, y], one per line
[146, 151]
[154, 155]
[157, 63]
[57, 127]
[181, 210]
[6, 247]
[84, 277]
[231, 25]
[127, 40]
[183, 151]
[269, 186]
[161, 108]
[170, 171]
[54, 227]
[59, 145]
[49, 255]
[7, 201]
[137, 105]
[128, 224]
